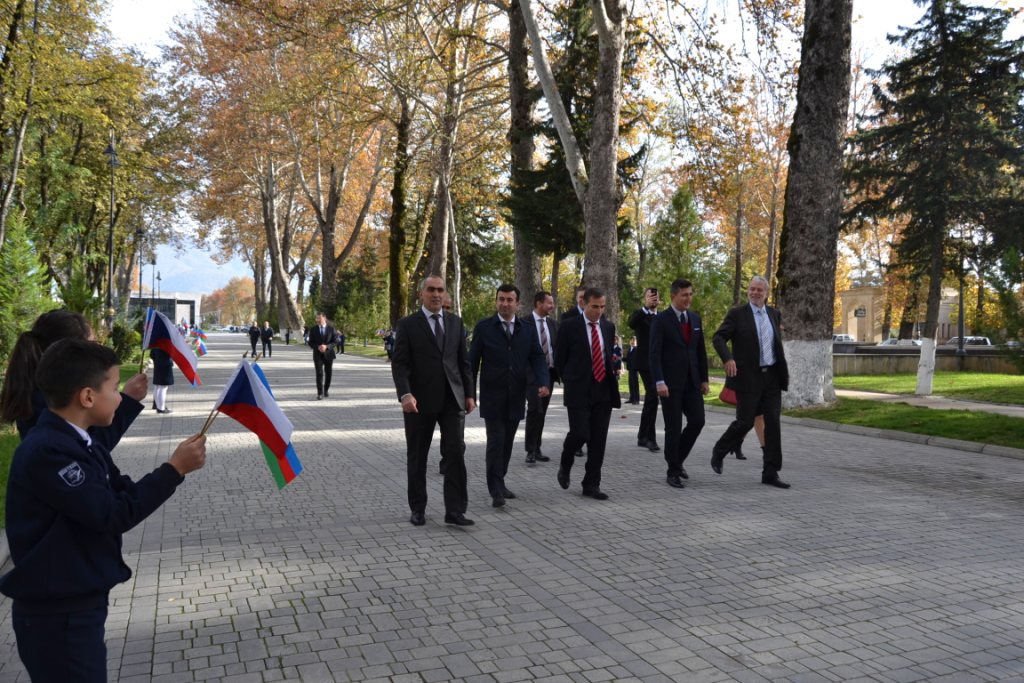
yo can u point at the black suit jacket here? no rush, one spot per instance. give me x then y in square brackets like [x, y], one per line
[420, 368]
[571, 313]
[674, 362]
[528, 321]
[573, 361]
[740, 329]
[641, 324]
[327, 339]
[501, 365]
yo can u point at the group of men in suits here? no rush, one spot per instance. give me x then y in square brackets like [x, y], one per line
[517, 361]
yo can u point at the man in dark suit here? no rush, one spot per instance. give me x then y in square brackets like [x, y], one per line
[434, 381]
[254, 337]
[578, 308]
[640, 321]
[583, 360]
[321, 340]
[503, 349]
[758, 364]
[536, 404]
[679, 369]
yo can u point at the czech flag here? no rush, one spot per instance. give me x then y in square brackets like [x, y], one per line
[160, 333]
[248, 400]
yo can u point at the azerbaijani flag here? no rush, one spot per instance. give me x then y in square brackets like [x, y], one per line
[198, 333]
[248, 400]
[162, 334]
[199, 346]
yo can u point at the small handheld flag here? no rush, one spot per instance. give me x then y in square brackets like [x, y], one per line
[248, 400]
[162, 334]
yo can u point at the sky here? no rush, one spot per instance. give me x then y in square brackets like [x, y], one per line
[144, 24]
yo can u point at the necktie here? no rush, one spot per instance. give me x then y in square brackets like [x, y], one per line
[323, 333]
[508, 329]
[684, 326]
[764, 335]
[438, 330]
[597, 358]
[544, 341]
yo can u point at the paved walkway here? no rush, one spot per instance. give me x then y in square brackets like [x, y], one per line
[887, 561]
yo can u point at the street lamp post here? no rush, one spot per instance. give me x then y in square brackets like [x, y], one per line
[112, 157]
[138, 240]
[158, 287]
[152, 281]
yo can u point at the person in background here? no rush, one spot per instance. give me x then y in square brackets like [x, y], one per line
[536, 405]
[254, 337]
[267, 337]
[321, 340]
[21, 401]
[634, 375]
[163, 377]
[641, 321]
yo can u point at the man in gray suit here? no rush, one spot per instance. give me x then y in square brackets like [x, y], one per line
[430, 367]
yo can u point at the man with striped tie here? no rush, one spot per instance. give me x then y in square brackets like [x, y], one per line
[758, 363]
[537, 407]
[583, 359]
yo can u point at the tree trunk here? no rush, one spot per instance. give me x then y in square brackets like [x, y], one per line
[936, 270]
[288, 312]
[810, 228]
[327, 220]
[603, 191]
[521, 144]
[556, 263]
[398, 281]
[737, 276]
[456, 289]
[8, 185]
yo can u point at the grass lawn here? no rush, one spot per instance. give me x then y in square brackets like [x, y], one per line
[371, 351]
[973, 386]
[966, 425]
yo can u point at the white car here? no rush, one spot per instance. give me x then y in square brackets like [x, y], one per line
[843, 339]
[900, 342]
[970, 341]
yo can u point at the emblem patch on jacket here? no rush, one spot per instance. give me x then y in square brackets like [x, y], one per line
[73, 475]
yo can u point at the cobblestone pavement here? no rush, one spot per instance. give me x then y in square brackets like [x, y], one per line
[886, 561]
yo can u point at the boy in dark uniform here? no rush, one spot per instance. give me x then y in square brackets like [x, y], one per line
[67, 506]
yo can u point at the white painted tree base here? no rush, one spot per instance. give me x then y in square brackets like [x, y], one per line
[926, 368]
[810, 373]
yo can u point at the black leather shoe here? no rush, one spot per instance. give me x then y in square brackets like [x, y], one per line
[652, 446]
[716, 462]
[774, 481]
[319, 397]
[531, 458]
[541, 457]
[675, 482]
[596, 494]
[496, 502]
[508, 494]
[164, 411]
[579, 454]
[739, 454]
[683, 474]
[458, 520]
[417, 519]
[326, 393]
[563, 478]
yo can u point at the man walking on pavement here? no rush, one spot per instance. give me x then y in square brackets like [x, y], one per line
[640, 321]
[434, 382]
[504, 349]
[679, 368]
[758, 363]
[536, 405]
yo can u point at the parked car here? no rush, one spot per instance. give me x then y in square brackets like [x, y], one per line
[900, 342]
[843, 339]
[970, 341]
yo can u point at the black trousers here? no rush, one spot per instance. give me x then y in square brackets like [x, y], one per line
[649, 412]
[268, 351]
[419, 432]
[252, 343]
[62, 647]
[634, 386]
[587, 425]
[536, 412]
[500, 435]
[323, 367]
[766, 401]
[679, 441]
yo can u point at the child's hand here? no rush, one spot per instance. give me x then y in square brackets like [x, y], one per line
[137, 387]
[190, 454]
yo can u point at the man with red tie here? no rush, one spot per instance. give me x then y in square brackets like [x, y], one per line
[679, 369]
[583, 359]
